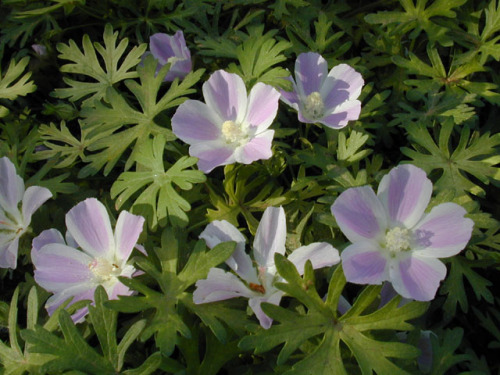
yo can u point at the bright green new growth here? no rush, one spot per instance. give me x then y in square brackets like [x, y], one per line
[13, 83]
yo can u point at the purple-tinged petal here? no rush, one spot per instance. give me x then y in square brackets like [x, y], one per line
[195, 122]
[270, 237]
[160, 45]
[226, 94]
[343, 305]
[39, 49]
[359, 214]
[255, 305]
[58, 267]
[127, 231]
[34, 197]
[417, 277]
[311, 70]
[405, 192]
[79, 293]
[218, 286]
[363, 263]
[11, 185]
[342, 84]
[346, 112]
[321, 254]
[425, 359]
[443, 232]
[291, 97]
[49, 236]
[388, 293]
[119, 289]
[212, 154]
[8, 253]
[262, 106]
[88, 223]
[259, 148]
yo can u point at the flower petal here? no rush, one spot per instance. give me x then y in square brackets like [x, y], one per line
[321, 254]
[291, 97]
[161, 47]
[79, 293]
[259, 148]
[212, 154]
[342, 84]
[127, 231]
[270, 237]
[340, 116]
[262, 106]
[417, 277]
[218, 286]
[359, 214]
[255, 305]
[363, 263]
[88, 223]
[8, 253]
[11, 186]
[225, 93]
[48, 236]
[119, 289]
[443, 232]
[405, 193]
[34, 197]
[195, 122]
[311, 70]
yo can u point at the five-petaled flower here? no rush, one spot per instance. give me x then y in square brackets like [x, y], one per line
[256, 283]
[229, 127]
[67, 272]
[319, 96]
[14, 221]
[393, 239]
[168, 49]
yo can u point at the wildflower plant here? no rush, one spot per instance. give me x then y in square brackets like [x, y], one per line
[169, 134]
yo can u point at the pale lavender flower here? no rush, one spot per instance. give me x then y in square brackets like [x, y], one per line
[393, 239]
[321, 96]
[256, 283]
[67, 272]
[230, 127]
[39, 49]
[168, 49]
[15, 219]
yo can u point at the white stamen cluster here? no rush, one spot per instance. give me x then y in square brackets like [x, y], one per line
[314, 107]
[397, 240]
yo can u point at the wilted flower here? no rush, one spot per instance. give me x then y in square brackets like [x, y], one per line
[168, 49]
[256, 283]
[230, 127]
[14, 220]
[319, 96]
[67, 272]
[393, 239]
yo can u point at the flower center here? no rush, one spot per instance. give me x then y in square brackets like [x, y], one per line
[232, 132]
[103, 269]
[397, 239]
[314, 106]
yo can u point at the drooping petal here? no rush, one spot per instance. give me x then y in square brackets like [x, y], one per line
[262, 106]
[321, 254]
[417, 277]
[259, 148]
[359, 214]
[341, 115]
[405, 193]
[212, 154]
[311, 70]
[88, 223]
[443, 232]
[342, 84]
[160, 45]
[127, 231]
[8, 253]
[34, 197]
[270, 237]
[218, 286]
[255, 305]
[291, 97]
[226, 94]
[48, 236]
[11, 186]
[194, 122]
[363, 263]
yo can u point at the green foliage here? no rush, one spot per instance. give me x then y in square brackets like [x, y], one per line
[159, 201]
[13, 83]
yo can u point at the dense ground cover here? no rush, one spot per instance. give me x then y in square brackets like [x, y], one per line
[249, 187]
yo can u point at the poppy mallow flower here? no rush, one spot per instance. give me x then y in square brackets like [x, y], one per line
[92, 255]
[329, 98]
[171, 49]
[229, 127]
[257, 282]
[15, 218]
[393, 239]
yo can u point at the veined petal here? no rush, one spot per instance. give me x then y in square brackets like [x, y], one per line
[255, 305]
[321, 254]
[79, 293]
[443, 232]
[88, 223]
[49, 236]
[194, 122]
[343, 83]
[127, 231]
[218, 286]
[8, 253]
[311, 70]
[259, 148]
[270, 237]
[226, 94]
[11, 185]
[417, 277]
[359, 214]
[341, 115]
[34, 197]
[262, 106]
[212, 154]
[405, 192]
[363, 263]
[160, 45]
